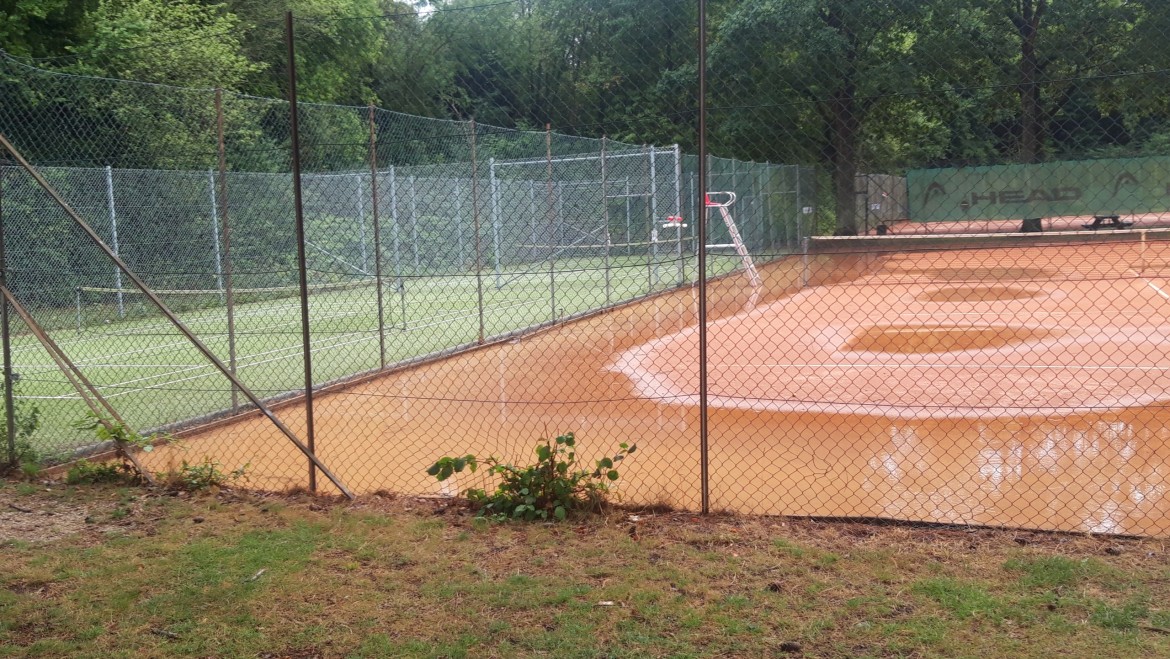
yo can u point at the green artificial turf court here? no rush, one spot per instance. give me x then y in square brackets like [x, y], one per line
[155, 377]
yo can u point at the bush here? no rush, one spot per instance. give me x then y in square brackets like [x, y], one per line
[553, 487]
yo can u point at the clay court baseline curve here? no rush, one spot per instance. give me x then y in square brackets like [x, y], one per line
[933, 350]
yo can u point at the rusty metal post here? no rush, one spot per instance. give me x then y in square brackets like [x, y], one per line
[704, 473]
[6, 339]
[302, 267]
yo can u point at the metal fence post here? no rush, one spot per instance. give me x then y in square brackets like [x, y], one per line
[302, 268]
[414, 224]
[361, 209]
[629, 235]
[682, 272]
[732, 187]
[766, 204]
[552, 227]
[799, 210]
[373, 158]
[401, 283]
[694, 213]
[495, 192]
[605, 216]
[111, 208]
[651, 235]
[804, 274]
[459, 265]
[704, 489]
[475, 223]
[225, 237]
[653, 216]
[215, 234]
[560, 240]
[6, 338]
[532, 217]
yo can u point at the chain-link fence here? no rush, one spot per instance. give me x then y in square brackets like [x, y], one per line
[980, 340]
[424, 239]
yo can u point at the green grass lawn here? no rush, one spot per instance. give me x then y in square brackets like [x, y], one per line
[121, 572]
[154, 377]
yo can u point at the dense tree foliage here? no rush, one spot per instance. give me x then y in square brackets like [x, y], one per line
[849, 86]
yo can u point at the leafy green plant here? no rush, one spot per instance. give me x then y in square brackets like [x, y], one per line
[28, 419]
[30, 469]
[111, 430]
[85, 472]
[124, 438]
[201, 476]
[553, 487]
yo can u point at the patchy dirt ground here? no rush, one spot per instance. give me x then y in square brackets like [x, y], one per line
[124, 571]
[36, 519]
[46, 511]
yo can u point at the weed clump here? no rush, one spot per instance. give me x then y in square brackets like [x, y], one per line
[551, 488]
[84, 472]
[188, 477]
[26, 421]
[200, 476]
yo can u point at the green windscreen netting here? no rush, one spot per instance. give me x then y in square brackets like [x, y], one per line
[1051, 189]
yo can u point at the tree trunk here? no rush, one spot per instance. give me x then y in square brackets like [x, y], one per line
[1032, 123]
[1027, 23]
[844, 123]
[844, 126]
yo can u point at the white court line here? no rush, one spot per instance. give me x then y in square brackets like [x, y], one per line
[194, 324]
[163, 386]
[135, 351]
[53, 369]
[445, 319]
[242, 365]
[282, 353]
[246, 361]
[338, 341]
[1152, 285]
[1037, 367]
[1029, 314]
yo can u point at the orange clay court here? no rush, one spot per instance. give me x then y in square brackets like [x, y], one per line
[1014, 386]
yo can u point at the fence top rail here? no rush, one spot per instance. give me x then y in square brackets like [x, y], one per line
[595, 156]
[202, 173]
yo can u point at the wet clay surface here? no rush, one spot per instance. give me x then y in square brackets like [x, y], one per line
[977, 294]
[1060, 428]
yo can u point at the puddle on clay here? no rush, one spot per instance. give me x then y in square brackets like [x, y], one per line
[977, 294]
[977, 273]
[923, 339]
